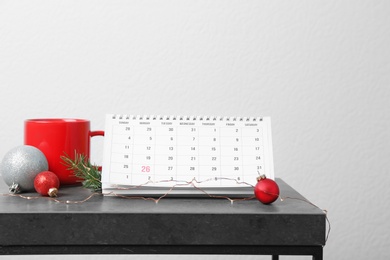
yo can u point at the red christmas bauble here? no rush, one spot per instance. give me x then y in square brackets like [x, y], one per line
[266, 190]
[47, 183]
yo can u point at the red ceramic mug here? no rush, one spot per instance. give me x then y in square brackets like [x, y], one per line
[57, 137]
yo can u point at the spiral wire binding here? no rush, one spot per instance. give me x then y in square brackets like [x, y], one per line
[187, 118]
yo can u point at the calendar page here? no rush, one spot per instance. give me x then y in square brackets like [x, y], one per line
[152, 154]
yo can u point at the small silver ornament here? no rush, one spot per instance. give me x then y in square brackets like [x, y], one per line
[20, 166]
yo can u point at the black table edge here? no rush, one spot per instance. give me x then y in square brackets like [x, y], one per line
[162, 249]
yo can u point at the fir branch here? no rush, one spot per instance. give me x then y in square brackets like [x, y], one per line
[83, 169]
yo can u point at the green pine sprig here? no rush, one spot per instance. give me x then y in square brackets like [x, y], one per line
[83, 169]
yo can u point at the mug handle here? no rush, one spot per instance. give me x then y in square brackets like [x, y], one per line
[97, 133]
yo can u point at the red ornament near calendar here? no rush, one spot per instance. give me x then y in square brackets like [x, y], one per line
[266, 190]
[47, 183]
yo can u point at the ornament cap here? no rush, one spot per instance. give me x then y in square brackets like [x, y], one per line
[14, 188]
[261, 177]
[52, 192]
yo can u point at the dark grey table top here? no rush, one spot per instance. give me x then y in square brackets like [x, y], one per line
[188, 221]
[108, 204]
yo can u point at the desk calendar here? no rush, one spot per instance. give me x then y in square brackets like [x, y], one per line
[151, 155]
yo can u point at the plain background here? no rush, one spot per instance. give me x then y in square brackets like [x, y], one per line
[320, 69]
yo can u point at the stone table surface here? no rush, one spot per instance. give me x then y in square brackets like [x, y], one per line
[110, 220]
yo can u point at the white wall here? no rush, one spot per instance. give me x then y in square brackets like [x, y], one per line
[320, 69]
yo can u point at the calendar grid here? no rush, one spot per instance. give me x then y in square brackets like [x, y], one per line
[220, 155]
[132, 158]
[154, 151]
[197, 154]
[161, 150]
[176, 153]
[241, 156]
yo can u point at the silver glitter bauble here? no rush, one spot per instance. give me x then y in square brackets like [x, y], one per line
[20, 166]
